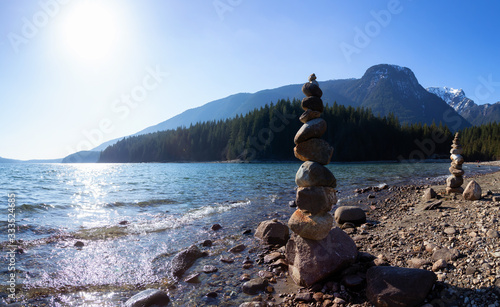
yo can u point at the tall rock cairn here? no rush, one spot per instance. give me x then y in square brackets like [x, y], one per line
[316, 193]
[455, 181]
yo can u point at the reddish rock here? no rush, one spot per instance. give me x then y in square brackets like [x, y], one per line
[314, 227]
[311, 261]
[316, 150]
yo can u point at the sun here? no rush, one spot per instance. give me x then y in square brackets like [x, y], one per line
[90, 30]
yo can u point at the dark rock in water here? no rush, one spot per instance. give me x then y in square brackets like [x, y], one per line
[216, 227]
[472, 191]
[316, 200]
[148, 298]
[207, 243]
[253, 286]
[429, 194]
[317, 150]
[211, 294]
[311, 261]
[311, 174]
[247, 232]
[312, 129]
[350, 214]
[394, 286]
[193, 278]
[309, 115]
[312, 103]
[184, 260]
[123, 223]
[292, 204]
[79, 244]
[238, 248]
[226, 259]
[272, 232]
[209, 269]
[311, 89]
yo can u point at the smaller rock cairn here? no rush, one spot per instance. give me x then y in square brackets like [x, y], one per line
[316, 193]
[455, 181]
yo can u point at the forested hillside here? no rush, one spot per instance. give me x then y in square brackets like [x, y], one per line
[267, 134]
[481, 143]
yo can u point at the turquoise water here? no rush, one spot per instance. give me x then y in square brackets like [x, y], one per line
[127, 214]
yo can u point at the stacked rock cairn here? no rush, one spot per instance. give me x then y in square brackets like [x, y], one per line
[455, 181]
[316, 193]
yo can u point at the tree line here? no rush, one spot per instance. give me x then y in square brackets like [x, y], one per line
[267, 134]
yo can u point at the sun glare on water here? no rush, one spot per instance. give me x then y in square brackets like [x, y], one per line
[90, 30]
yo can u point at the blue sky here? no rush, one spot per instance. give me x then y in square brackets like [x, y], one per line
[76, 73]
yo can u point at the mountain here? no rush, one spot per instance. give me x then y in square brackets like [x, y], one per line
[475, 114]
[82, 157]
[3, 160]
[383, 88]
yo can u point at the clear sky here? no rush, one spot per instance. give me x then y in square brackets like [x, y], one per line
[76, 73]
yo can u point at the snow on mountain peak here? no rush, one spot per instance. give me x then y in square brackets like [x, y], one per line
[455, 98]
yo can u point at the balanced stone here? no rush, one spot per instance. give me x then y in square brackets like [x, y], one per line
[316, 200]
[309, 115]
[457, 158]
[311, 89]
[312, 174]
[456, 151]
[312, 129]
[312, 103]
[316, 150]
[454, 182]
[310, 261]
[456, 172]
[458, 190]
[314, 227]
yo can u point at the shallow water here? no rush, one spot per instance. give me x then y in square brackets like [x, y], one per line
[128, 214]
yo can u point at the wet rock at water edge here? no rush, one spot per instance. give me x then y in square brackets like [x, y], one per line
[209, 269]
[254, 286]
[216, 227]
[148, 298]
[272, 232]
[79, 244]
[237, 249]
[184, 260]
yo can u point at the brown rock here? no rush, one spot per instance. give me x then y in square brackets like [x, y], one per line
[429, 194]
[184, 260]
[454, 182]
[458, 159]
[312, 174]
[350, 214]
[312, 103]
[253, 286]
[272, 257]
[149, 297]
[417, 263]
[311, 89]
[314, 227]
[311, 261]
[445, 254]
[458, 190]
[472, 191]
[193, 278]
[272, 232]
[238, 248]
[439, 265]
[394, 286]
[309, 115]
[316, 200]
[312, 129]
[316, 150]
[456, 172]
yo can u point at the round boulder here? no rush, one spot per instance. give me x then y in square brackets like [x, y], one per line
[147, 298]
[272, 232]
[350, 214]
[312, 103]
[312, 174]
[312, 89]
